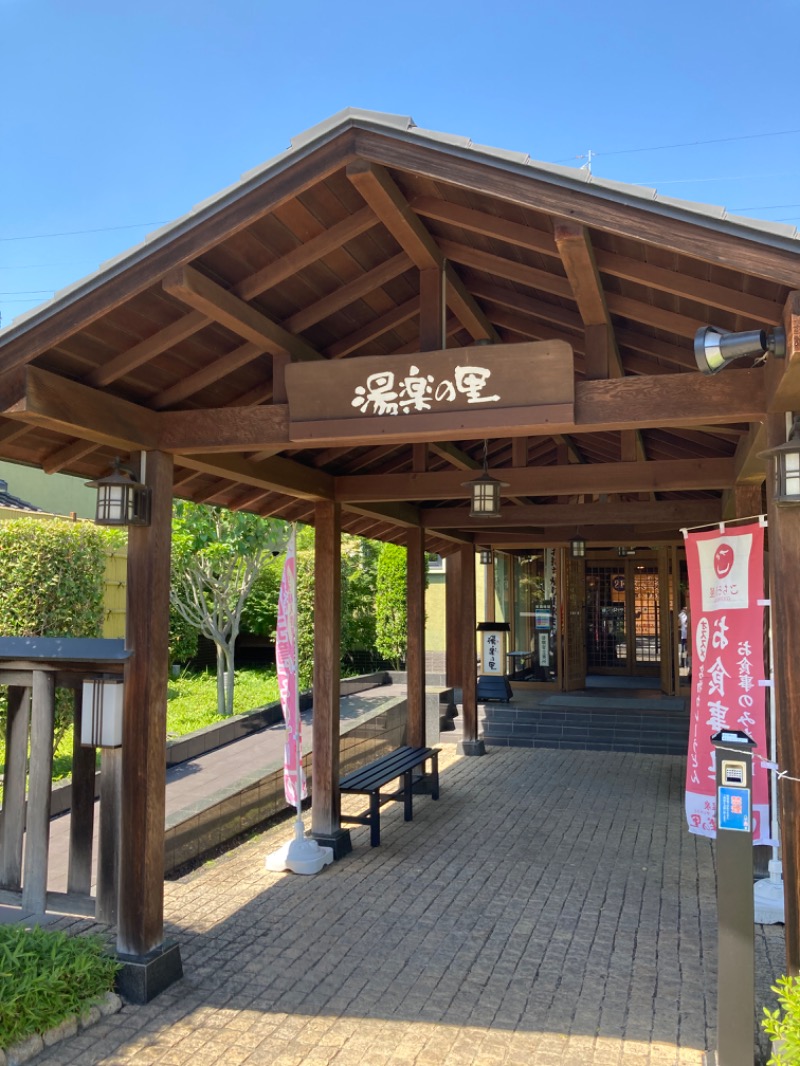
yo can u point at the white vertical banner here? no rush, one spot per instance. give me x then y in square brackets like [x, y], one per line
[294, 781]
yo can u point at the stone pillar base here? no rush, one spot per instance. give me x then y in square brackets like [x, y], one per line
[339, 841]
[143, 977]
[472, 747]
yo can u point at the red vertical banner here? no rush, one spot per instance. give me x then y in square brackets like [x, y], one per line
[726, 589]
[286, 662]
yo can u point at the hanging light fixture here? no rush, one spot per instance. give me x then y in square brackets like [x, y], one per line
[485, 556]
[786, 470]
[623, 553]
[485, 501]
[577, 547]
[121, 499]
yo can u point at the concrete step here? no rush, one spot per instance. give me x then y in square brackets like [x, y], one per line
[622, 730]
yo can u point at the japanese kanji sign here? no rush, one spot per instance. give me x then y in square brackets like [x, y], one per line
[382, 390]
[726, 583]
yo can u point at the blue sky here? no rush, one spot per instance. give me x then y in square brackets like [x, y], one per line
[119, 117]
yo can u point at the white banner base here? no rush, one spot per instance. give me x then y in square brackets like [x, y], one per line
[301, 855]
[768, 896]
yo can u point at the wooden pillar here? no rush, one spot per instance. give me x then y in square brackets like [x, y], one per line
[108, 850]
[415, 645]
[470, 745]
[326, 806]
[17, 724]
[452, 620]
[666, 624]
[37, 823]
[784, 565]
[432, 310]
[81, 822]
[141, 896]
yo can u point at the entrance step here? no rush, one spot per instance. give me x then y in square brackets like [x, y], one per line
[591, 728]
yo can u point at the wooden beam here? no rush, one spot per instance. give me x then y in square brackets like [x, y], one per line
[38, 397]
[63, 458]
[746, 305]
[575, 248]
[785, 395]
[669, 400]
[454, 455]
[148, 349]
[415, 645]
[382, 194]
[374, 329]
[225, 429]
[673, 475]
[668, 513]
[275, 475]
[399, 514]
[662, 225]
[195, 289]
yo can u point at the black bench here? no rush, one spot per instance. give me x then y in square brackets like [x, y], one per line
[370, 779]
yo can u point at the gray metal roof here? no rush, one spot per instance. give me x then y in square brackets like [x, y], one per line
[7, 500]
[775, 234]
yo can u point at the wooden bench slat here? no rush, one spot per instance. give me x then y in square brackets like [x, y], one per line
[384, 769]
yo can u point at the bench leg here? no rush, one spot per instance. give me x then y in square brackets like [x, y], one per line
[374, 819]
[435, 775]
[408, 812]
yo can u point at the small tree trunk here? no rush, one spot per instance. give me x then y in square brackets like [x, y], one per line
[221, 708]
[229, 677]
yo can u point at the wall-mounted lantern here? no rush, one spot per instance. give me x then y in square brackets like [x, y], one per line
[577, 547]
[101, 716]
[486, 557]
[786, 468]
[121, 499]
[485, 491]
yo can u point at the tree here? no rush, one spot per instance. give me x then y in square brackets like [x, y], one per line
[216, 557]
[390, 604]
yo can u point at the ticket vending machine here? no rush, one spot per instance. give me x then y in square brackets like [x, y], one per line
[492, 679]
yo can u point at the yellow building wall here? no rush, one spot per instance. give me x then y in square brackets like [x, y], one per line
[114, 579]
[435, 610]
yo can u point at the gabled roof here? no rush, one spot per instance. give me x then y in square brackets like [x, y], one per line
[319, 254]
[7, 500]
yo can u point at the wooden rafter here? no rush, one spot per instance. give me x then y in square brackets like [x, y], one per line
[195, 289]
[381, 193]
[666, 513]
[574, 479]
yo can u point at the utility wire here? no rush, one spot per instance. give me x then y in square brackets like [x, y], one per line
[79, 232]
[688, 144]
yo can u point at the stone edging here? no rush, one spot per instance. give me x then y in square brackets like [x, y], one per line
[27, 1049]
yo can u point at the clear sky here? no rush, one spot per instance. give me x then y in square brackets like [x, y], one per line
[117, 116]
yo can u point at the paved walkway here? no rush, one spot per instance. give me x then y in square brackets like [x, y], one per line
[551, 909]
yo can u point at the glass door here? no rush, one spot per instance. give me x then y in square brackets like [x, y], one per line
[623, 633]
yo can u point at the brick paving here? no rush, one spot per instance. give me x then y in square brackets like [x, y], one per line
[551, 909]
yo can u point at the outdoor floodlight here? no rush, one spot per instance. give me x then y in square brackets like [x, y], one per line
[715, 348]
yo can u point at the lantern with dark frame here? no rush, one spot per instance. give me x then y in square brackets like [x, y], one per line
[786, 475]
[485, 498]
[121, 499]
[485, 556]
[577, 547]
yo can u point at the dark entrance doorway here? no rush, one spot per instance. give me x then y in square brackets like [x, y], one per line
[623, 626]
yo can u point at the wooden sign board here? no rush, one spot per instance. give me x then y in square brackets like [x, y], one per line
[465, 388]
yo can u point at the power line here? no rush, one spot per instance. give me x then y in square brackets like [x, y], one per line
[27, 292]
[689, 144]
[79, 232]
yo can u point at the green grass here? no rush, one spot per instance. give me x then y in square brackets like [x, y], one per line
[46, 976]
[192, 698]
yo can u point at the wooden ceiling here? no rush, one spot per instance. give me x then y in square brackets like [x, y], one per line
[372, 238]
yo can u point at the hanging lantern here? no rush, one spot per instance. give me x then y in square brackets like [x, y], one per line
[485, 491]
[121, 499]
[623, 553]
[786, 469]
[577, 547]
[485, 556]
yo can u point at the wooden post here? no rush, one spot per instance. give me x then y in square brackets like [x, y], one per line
[141, 895]
[666, 624]
[326, 807]
[452, 623]
[81, 822]
[470, 745]
[432, 310]
[108, 851]
[19, 711]
[415, 647]
[37, 835]
[784, 564]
